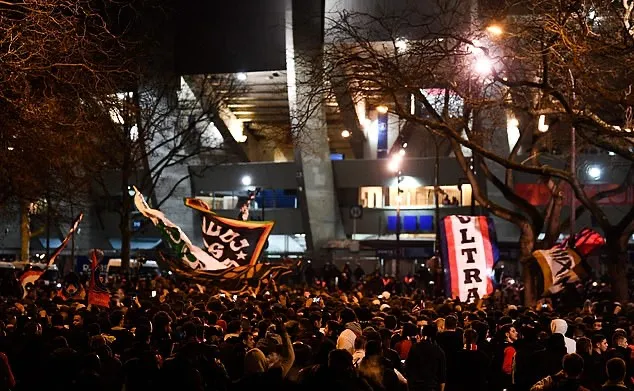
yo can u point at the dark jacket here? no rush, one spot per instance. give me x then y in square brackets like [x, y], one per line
[426, 367]
[615, 387]
[474, 367]
[558, 382]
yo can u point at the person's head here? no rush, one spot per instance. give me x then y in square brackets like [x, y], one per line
[303, 354]
[340, 360]
[315, 320]
[373, 348]
[255, 362]
[451, 322]
[509, 333]
[440, 324]
[117, 318]
[359, 343]
[558, 326]
[59, 343]
[470, 337]
[247, 339]
[597, 325]
[32, 329]
[78, 321]
[430, 331]
[332, 328]
[390, 322]
[305, 325]
[584, 345]
[482, 328]
[234, 327]
[347, 315]
[572, 364]
[599, 343]
[409, 330]
[470, 318]
[615, 369]
[57, 320]
[162, 322]
[619, 340]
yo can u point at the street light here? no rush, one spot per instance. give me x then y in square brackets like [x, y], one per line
[483, 65]
[594, 172]
[394, 164]
[495, 30]
[241, 76]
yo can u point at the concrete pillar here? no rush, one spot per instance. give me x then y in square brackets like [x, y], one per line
[304, 42]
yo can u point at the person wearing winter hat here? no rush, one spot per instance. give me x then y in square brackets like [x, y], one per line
[559, 326]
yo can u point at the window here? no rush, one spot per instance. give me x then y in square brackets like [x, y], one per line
[415, 196]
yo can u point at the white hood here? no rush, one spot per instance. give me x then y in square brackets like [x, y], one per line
[558, 326]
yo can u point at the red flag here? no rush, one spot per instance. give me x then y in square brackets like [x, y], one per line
[97, 293]
[586, 241]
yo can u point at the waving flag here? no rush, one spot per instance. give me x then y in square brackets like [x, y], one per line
[31, 276]
[227, 245]
[586, 241]
[235, 280]
[469, 253]
[564, 264]
[232, 240]
[559, 267]
[97, 293]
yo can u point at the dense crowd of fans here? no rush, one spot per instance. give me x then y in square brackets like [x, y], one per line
[161, 334]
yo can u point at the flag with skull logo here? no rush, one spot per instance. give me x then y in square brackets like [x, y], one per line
[234, 242]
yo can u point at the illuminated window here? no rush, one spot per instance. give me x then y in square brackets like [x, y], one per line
[415, 196]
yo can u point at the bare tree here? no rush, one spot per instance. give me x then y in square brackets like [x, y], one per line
[56, 56]
[156, 127]
[556, 69]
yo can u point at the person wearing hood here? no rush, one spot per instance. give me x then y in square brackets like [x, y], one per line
[559, 326]
[352, 329]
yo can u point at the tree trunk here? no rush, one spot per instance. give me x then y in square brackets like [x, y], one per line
[617, 265]
[25, 231]
[527, 245]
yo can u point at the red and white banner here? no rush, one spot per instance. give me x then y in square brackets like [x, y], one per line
[469, 253]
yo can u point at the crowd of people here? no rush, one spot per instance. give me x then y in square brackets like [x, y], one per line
[164, 334]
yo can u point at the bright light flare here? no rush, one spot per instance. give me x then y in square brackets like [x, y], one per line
[542, 126]
[401, 44]
[594, 172]
[382, 109]
[345, 133]
[483, 66]
[395, 163]
[495, 30]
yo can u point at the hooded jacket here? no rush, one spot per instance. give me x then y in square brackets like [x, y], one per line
[348, 336]
[560, 326]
